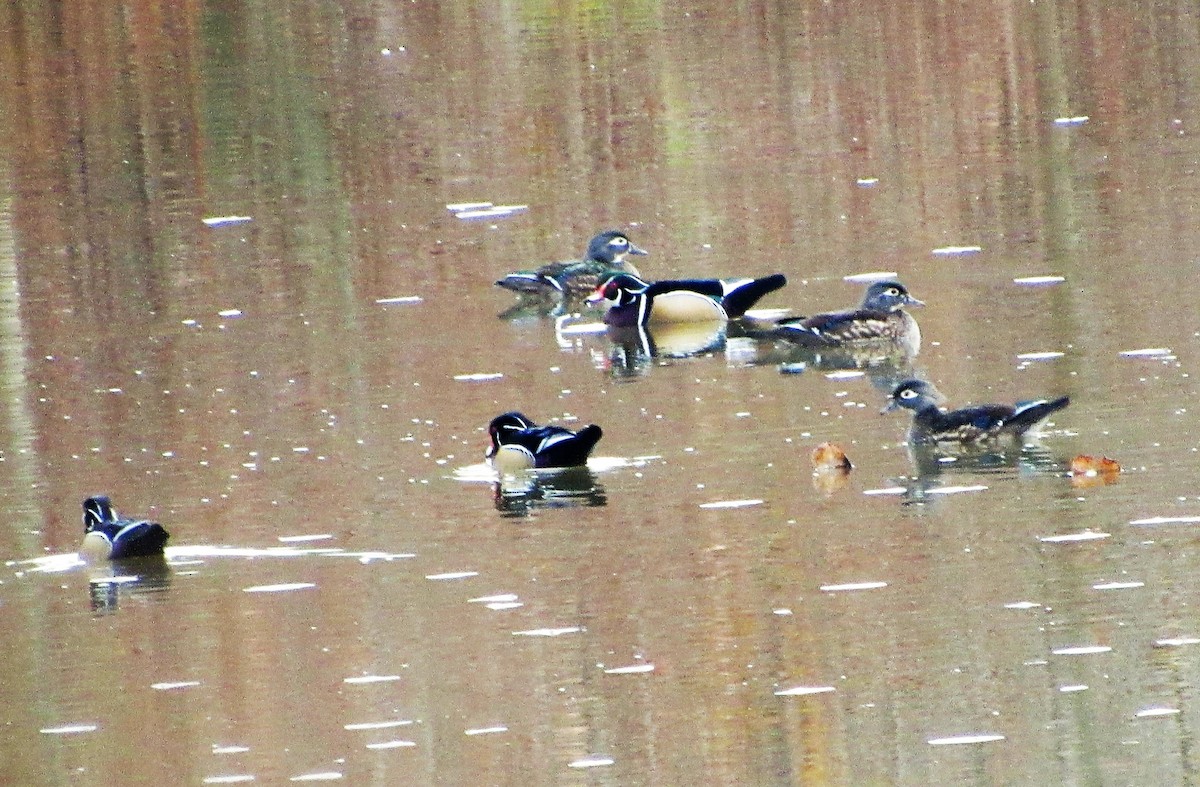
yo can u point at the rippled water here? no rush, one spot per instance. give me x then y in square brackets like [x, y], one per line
[233, 296]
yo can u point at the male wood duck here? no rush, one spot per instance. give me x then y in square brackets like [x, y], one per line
[520, 444]
[576, 278]
[879, 318]
[633, 301]
[932, 424]
[108, 535]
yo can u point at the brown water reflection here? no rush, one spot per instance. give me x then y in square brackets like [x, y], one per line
[240, 381]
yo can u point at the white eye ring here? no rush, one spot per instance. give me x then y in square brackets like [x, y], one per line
[893, 291]
[908, 393]
[619, 241]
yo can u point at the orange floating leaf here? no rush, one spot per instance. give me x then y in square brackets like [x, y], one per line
[830, 456]
[1094, 471]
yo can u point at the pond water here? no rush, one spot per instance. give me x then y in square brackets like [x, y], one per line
[233, 297]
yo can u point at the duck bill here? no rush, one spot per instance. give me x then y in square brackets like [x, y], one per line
[636, 250]
[595, 298]
[887, 408]
[911, 301]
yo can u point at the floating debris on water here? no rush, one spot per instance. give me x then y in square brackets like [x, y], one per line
[69, 729]
[956, 490]
[1166, 520]
[830, 457]
[479, 376]
[399, 299]
[1118, 585]
[283, 587]
[863, 278]
[1080, 650]
[867, 181]
[179, 684]
[796, 367]
[1146, 352]
[800, 691]
[1023, 605]
[1075, 120]
[357, 679]
[952, 250]
[1040, 356]
[594, 761]
[486, 730]
[1037, 281]
[218, 749]
[1087, 535]
[1094, 471]
[480, 210]
[320, 776]
[1073, 687]
[632, 669]
[302, 539]
[452, 575]
[844, 375]
[229, 313]
[499, 598]
[500, 606]
[958, 740]
[1176, 642]
[582, 328]
[548, 632]
[239, 778]
[217, 221]
[887, 490]
[398, 744]
[732, 504]
[1151, 712]
[379, 725]
[853, 586]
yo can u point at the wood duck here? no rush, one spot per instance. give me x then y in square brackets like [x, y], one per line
[879, 318]
[108, 535]
[520, 444]
[632, 301]
[932, 424]
[576, 278]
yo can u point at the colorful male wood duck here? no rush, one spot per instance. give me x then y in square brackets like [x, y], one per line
[576, 278]
[879, 318]
[520, 444]
[633, 301]
[106, 534]
[932, 424]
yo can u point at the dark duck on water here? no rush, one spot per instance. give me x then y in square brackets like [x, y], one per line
[932, 424]
[108, 535]
[517, 443]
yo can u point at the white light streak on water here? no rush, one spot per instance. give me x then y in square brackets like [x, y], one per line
[958, 740]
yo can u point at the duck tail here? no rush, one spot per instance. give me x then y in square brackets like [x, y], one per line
[744, 296]
[530, 282]
[1030, 414]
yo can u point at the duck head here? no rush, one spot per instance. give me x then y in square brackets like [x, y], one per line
[612, 247]
[915, 395]
[888, 296]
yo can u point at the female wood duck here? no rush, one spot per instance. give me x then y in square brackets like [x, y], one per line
[108, 535]
[520, 444]
[879, 318]
[932, 424]
[632, 301]
[576, 278]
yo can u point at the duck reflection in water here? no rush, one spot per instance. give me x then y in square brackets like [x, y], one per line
[128, 579]
[634, 348]
[943, 467]
[520, 494]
